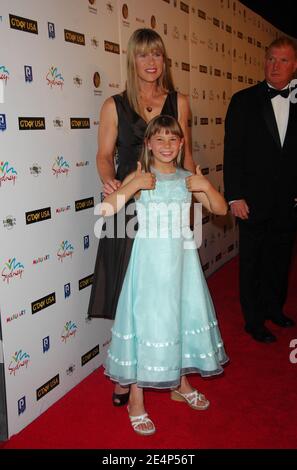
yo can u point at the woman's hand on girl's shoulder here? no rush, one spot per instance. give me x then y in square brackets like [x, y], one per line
[110, 186]
[197, 182]
[144, 180]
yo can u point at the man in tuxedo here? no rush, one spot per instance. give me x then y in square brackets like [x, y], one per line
[260, 177]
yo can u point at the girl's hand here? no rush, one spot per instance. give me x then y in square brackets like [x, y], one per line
[110, 186]
[144, 180]
[197, 183]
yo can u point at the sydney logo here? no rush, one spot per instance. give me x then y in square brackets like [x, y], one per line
[7, 173]
[69, 331]
[19, 360]
[4, 74]
[60, 167]
[54, 78]
[65, 250]
[11, 270]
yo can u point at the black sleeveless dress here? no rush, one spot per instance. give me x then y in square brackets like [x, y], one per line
[114, 253]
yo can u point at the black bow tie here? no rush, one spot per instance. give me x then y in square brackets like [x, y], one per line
[274, 92]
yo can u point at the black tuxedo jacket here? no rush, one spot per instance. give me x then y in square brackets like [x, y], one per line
[256, 167]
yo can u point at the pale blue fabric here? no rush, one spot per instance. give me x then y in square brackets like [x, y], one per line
[165, 323]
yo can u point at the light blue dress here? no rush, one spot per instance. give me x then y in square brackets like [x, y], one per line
[165, 324]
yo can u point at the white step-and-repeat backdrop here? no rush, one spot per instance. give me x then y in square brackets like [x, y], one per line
[59, 61]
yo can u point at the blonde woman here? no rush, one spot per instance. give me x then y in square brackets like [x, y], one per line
[123, 121]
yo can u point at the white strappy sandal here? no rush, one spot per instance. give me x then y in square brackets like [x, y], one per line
[194, 399]
[137, 423]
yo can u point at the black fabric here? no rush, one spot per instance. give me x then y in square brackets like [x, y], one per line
[114, 253]
[256, 167]
[264, 173]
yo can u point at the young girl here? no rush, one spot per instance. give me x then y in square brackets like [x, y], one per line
[165, 325]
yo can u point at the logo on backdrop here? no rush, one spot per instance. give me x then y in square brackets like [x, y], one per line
[2, 122]
[83, 204]
[67, 290]
[60, 167]
[15, 316]
[202, 14]
[86, 242]
[94, 42]
[38, 215]
[35, 169]
[111, 47]
[41, 259]
[47, 387]
[125, 11]
[45, 344]
[85, 282]
[65, 250]
[7, 173]
[184, 7]
[74, 37]
[12, 269]
[31, 123]
[58, 123]
[153, 22]
[19, 360]
[96, 82]
[51, 30]
[92, 9]
[42, 303]
[89, 355]
[60, 210]
[54, 78]
[4, 74]
[82, 163]
[28, 73]
[70, 369]
[69, 331]
[109, 7]
[23, 24]
[9, 222]
[77, 81]
[21, 405]
[79, 123]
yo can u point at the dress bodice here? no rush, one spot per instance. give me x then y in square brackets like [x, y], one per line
[164, 210]
[131, 129]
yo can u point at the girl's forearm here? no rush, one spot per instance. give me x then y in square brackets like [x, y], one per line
[114, 202]
[217, 203]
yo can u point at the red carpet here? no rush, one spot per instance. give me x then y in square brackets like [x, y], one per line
[253, 405]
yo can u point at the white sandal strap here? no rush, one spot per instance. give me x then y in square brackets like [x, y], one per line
[139, 419]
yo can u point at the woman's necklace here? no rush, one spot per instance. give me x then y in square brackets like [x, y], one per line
[149, 109]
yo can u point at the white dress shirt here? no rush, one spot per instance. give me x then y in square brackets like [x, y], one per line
[281, 108]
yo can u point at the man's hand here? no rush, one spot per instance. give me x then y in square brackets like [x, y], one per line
[240, 209]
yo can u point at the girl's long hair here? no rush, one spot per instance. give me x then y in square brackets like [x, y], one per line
[145, 40]
[156, 125]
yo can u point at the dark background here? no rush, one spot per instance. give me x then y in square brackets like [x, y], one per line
[279, 13]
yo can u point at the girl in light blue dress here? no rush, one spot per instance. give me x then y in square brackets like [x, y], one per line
[165, 325]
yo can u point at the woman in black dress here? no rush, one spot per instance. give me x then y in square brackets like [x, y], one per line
[123, 121]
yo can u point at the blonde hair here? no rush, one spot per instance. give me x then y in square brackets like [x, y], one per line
[281, 42]
[145, 40]
[155, 126]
